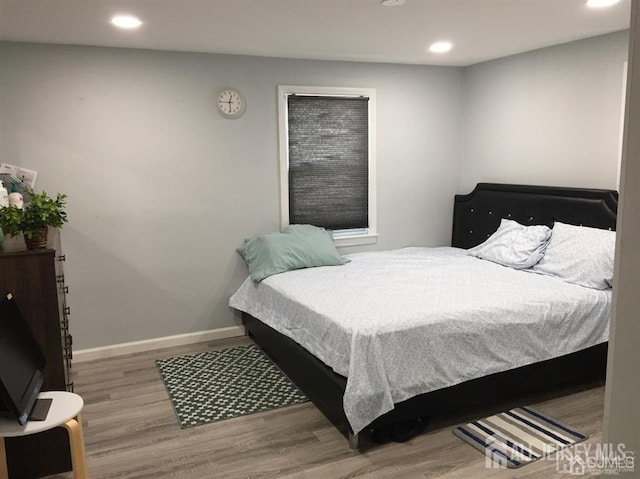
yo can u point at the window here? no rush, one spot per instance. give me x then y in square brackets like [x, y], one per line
[327, 160]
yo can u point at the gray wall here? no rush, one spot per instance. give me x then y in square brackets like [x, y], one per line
[162, 189]
[548, 117]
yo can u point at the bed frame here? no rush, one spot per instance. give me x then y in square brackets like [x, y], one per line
[475, 217]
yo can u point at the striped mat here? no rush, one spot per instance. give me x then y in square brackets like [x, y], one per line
[517, 437]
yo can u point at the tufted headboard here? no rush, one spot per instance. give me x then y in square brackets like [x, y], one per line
[477, 215]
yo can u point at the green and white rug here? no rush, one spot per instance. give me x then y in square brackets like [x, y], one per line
[217, 385]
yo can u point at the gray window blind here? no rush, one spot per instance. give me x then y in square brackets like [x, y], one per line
[328, 161]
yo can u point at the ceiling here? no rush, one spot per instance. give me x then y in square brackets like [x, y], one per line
[359, 30]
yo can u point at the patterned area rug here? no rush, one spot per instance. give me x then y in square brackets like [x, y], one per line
[517, 437]
[218, 385]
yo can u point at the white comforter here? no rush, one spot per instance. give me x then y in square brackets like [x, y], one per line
[405, 322]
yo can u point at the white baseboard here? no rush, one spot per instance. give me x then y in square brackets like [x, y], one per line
[157, 343]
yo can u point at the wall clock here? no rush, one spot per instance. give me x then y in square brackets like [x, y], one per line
[231, 103]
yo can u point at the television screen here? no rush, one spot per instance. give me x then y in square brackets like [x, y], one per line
[21, 363]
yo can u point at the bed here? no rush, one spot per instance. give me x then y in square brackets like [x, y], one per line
[320, 335]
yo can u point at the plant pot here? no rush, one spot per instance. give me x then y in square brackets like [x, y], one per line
[37, 241]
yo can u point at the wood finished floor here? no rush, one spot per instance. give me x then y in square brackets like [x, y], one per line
[131, 432]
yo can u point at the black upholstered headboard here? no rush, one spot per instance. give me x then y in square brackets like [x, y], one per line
[477, 215]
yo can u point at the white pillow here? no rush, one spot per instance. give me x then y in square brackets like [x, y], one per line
[580, 255]
[514, 245]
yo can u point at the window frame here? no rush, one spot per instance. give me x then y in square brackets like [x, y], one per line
[342, 237]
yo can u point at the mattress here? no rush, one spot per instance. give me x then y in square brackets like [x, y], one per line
[410, 321]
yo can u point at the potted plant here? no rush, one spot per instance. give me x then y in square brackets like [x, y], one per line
[34, 219]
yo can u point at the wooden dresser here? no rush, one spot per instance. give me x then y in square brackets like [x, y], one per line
[36, 280]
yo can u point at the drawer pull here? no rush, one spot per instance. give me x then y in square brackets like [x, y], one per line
[62, 257]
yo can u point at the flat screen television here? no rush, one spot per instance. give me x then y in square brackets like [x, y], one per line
[22, 363]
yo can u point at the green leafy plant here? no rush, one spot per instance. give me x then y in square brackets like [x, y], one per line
[37, 215]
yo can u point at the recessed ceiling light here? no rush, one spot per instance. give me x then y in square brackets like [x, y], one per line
[440, 47]
[126, 21]
[392, 3]
[601, 3]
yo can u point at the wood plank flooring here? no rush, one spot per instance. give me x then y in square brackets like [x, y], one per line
[131, 432]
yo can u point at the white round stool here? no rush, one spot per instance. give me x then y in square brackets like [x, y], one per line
[65, 411]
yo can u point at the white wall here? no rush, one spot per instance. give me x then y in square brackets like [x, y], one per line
[162, 189]
[622, 396]
[547, 117]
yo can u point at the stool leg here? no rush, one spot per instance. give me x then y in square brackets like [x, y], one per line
[76, 441]
[4, 471]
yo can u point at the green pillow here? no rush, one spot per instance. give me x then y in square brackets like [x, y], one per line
[295, 247]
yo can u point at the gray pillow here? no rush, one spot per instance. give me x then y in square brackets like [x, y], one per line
[514, 245]
[580, 255]
[295, 247]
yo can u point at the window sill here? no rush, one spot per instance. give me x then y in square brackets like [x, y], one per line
[356, 240]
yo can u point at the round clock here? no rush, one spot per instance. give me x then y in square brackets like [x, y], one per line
[231, 103]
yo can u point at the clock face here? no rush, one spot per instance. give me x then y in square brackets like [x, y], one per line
[231, 103]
